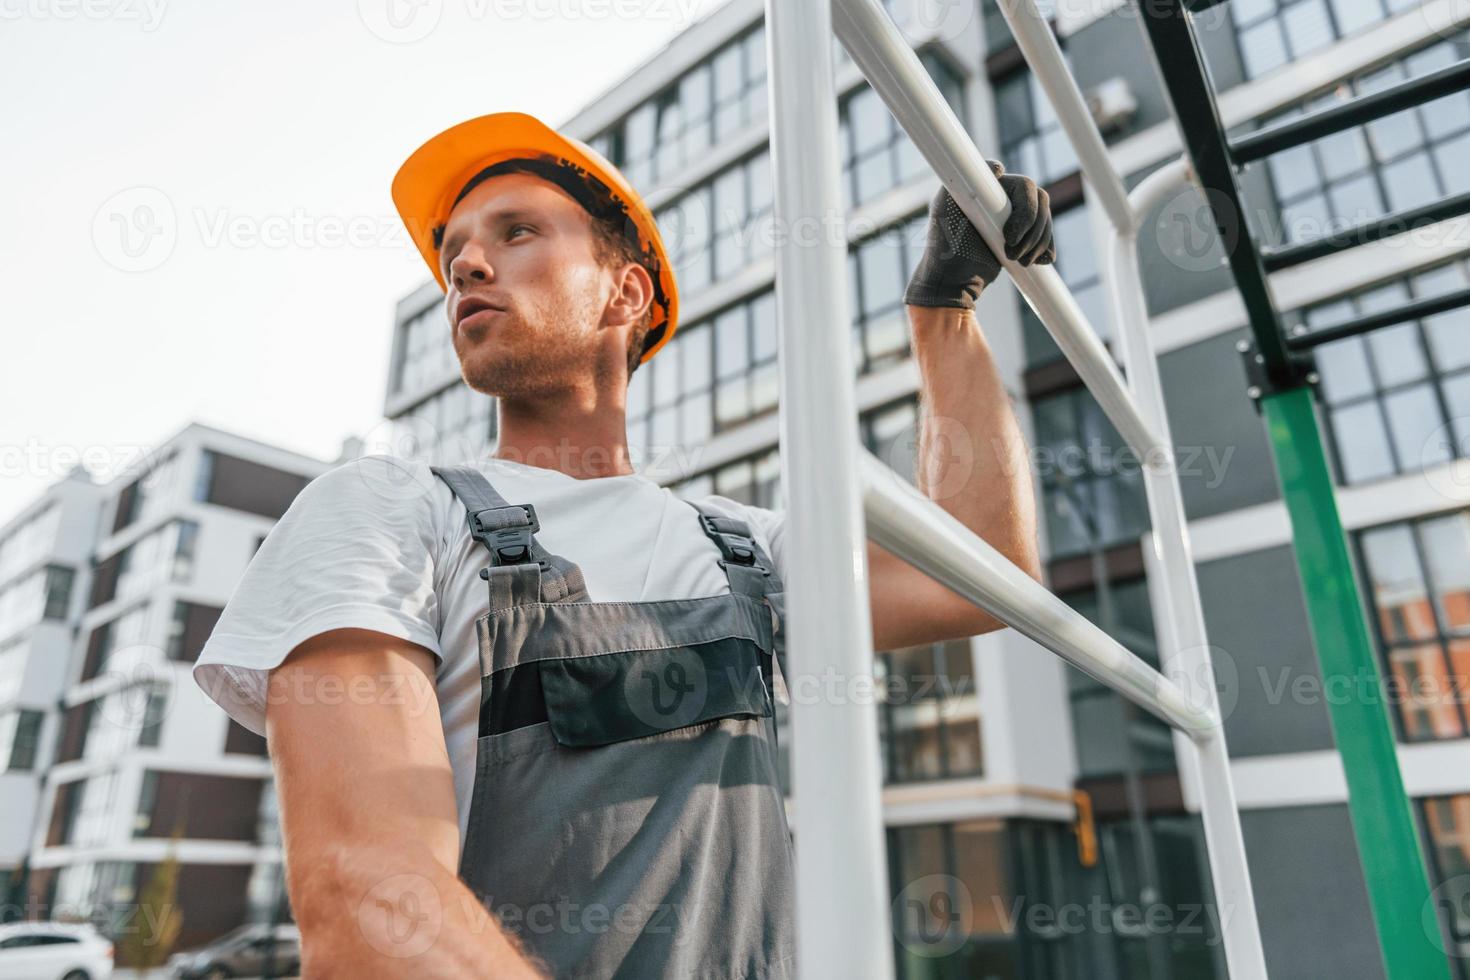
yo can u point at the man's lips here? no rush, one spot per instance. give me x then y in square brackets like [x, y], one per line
[479, 318]
[473, 309]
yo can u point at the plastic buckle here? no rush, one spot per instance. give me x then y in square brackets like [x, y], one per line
[733, 551]
[508, 545]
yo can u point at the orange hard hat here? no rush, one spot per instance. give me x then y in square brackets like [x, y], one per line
[434, 177]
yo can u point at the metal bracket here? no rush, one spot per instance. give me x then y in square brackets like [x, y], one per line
[1260, 383]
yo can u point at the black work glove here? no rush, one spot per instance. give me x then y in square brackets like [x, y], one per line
[957, 264]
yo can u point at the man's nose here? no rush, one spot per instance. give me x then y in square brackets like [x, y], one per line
[470, 265]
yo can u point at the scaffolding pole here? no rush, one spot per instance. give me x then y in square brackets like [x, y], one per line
[838, 494]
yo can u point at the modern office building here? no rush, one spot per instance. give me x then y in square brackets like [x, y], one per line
[1028, 786]
[144, 764]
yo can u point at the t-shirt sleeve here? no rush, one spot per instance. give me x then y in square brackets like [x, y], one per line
[356, 549]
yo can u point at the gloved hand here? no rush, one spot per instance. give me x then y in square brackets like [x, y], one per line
[957, 264]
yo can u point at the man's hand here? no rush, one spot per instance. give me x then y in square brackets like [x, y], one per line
[957, 264]
[368, 815]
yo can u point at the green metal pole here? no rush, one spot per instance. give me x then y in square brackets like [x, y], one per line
[1389, 848]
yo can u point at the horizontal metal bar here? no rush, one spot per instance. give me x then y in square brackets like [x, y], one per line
[1276, 259]
[1355, 112]
[899, 78]
[922, 533]
[1377, 321]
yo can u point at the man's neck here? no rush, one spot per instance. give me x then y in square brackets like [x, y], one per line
[584, 441]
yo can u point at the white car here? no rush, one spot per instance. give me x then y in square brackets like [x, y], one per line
[53, 951]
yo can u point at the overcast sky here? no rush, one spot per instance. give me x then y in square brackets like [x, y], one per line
[197, 224]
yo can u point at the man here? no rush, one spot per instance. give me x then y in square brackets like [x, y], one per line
[471, 786]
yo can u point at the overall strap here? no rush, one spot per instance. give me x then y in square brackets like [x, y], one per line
[521, 569]
[746, 564]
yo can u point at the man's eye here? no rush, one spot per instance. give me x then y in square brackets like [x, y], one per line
[515, 228]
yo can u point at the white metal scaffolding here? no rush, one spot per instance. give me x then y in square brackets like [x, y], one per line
[839, 495]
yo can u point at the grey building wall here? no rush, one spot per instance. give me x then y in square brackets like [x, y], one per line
[1211, 417]
[1310, 895]
[1272, 699]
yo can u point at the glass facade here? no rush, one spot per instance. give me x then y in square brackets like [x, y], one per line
[20, 734]
[1112, 736]
[426, 353]
[1091, 480]
[1447, 836]
[1031, 138]
[1418, 578]
[928, 713]
[30, 542]
[454, 424]
[1405, 160]
[1272, 33]
[1398, 399]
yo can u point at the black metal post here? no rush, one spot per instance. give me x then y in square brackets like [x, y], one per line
[1182, 68]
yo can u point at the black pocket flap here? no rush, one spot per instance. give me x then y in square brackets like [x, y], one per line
[619, 696]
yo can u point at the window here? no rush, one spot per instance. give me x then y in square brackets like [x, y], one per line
[426, 352]
[1113, 736]
[1031, 138]
[716, 98]
[1418, 576]
[1405, 160]
[1447, 822]
[929, 714]
[147, 800]
[189, 628]
[669, 398]
[29, 542]
[23, 602]
[952, 891]
[128, 630]
[878, 268]
[998, 32]
[1398, 399]
[1272, 33]
[720, 226]
[166, 554]
[877, 155]
[150, 494]
[1091, 484]
[1077, 265]
[450, 426]
[20, 732]
[59, 580]
[150, 731]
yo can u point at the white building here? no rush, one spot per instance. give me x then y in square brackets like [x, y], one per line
[142, 752]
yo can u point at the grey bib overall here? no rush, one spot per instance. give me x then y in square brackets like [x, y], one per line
[627, 819]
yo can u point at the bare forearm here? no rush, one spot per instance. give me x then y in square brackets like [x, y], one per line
[376, 911]
[972, 458]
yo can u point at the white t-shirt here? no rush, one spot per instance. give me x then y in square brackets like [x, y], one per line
[380, 543]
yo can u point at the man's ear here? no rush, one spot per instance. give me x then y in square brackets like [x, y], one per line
[634, 294]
